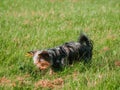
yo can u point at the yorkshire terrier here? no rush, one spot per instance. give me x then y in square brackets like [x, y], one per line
[63, 55]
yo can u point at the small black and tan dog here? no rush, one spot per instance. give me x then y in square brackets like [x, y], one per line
[66, 54]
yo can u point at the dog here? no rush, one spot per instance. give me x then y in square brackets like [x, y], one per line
[66, 54]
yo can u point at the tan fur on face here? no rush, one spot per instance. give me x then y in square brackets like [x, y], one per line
[43, 65]
[39, 59]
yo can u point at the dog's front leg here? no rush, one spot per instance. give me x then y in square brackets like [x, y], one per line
[51, 72]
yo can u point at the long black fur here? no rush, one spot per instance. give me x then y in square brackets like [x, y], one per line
[70, 51]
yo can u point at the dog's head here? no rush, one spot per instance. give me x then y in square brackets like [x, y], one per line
[40, 58]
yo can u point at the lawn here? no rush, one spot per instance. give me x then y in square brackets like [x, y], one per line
[39, 24]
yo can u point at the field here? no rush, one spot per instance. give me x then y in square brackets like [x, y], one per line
[29, 25]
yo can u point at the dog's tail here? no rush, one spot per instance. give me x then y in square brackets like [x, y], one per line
[87, 46]
[83, 39]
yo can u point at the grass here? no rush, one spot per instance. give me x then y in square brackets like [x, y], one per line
[27, 25]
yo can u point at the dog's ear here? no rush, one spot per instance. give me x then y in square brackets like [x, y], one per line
[44, 54]
[30, 53]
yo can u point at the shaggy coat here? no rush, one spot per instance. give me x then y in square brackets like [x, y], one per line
[63, 55]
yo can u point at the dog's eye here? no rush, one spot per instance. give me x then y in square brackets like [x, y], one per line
[40, 57]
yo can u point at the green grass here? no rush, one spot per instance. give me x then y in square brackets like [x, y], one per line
[27, 25]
